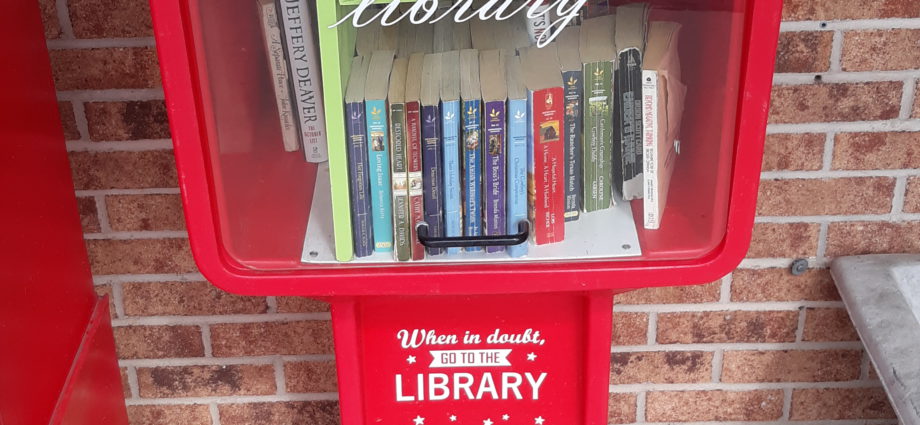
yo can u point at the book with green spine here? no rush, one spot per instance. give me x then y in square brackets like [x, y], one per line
[597, 53]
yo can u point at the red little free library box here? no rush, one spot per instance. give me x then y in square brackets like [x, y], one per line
[513, 340]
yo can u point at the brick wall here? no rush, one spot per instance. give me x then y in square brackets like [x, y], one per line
[841, 176]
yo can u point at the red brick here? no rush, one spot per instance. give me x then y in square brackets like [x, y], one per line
[857, 238]
[912, 196]
[778, 240]
[112, 121]
[186, 299]
[836, 102]
[110, 18]
[155, 342]
[840, 403]
[145, 212]
[621, 408]
[50, 19]
[727, 326]
[267, 338]
[881, 50]
[106, 290]
[68, 121]
[706, 293]
[793, 152]
[804, 51]
[280, 413]
[89, 217]
[876, 151]
[630, 328]
[828, 324]
[778, 284]
[105, 68]
[310, 377]
[791, 366]
[857, 195]
[301, 305]
[185, 414]
[819, 10]
[123, 170]
[660, 367]
[698, 406]
[206, 381]
[127, 256]
[126, 388]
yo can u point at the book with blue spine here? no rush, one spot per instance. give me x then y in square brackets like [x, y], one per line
[359, 185]
[450, 144]
[472, 153]
[516, 173]
[375, 104]
[431, 147]
[494, 95]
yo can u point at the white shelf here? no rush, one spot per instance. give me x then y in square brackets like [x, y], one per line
[609, 233]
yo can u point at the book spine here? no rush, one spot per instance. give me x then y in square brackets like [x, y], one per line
[472, 169]
[518, 131]
[650, 202]
[546, 169]
[274, 46]
[414, 164]
[573, 124]
[379, 165]
[598, 143]
[450, 155]
[431, 169]
[494, 176]
[400, 182]
[628, 89]
[304, 66]
[361, 222]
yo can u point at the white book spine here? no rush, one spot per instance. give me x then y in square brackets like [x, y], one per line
[279, 70]
[650, 202]
[305, 75]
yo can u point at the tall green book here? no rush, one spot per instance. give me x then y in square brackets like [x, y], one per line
[596, 43]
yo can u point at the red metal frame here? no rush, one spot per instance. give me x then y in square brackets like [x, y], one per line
[187, 99]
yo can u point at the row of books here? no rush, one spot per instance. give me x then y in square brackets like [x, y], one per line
[290, 43]
[472, 141]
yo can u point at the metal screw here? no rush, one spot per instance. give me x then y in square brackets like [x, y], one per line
[799, 267]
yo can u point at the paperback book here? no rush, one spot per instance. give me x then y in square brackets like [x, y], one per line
[375, 104]
[494, 95]
[358, 172]
[631, 22]
[471, 143]
[450, 143]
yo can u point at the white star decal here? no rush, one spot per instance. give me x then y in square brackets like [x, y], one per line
[531, 357]
[419, 420]
[411, 359]
[487, 422]
[505, 417]
[538, 420]
[453, 418]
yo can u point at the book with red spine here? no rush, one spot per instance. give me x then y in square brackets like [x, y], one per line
[545, 155]
[414, 150]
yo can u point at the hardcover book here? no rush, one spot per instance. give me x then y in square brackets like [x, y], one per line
[630, 42]
[414, 150]
[431, 147]
[516, 174]
[450, 143]
[303, 61]
[570, 60]
[278, 67]
[494, 95]
[597, 55]
[358, 172]
[375, 104]
[545, 152]
[471, 111]
[400, 173]
[663, 102]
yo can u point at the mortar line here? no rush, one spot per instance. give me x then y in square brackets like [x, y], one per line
[271, 303]
[652, 329]
[206, 340]
[864, 365]
[822, 242]
[178, 277]
[102, 214]
[836, 51]
[741, 346]
[827, 157]
[100, 43]
[640, 406]
[222, 361]
[907, 99]
[233, 399]
[838, 76]
[721, 307]
[838, 174]
[280, 383]
[152, 191]
[746, 386]
[717, 362]
[119, 145]
[800, 325]
[132, 382]
[63, 15]
[725, 289]
[787, 404]
[111, 95]
[817, 219]
[215, 413]
[118, 298]
[854, 24]
[79, 114]
[218, 319]
[145, 234]
[845, 127]
[900, 192]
